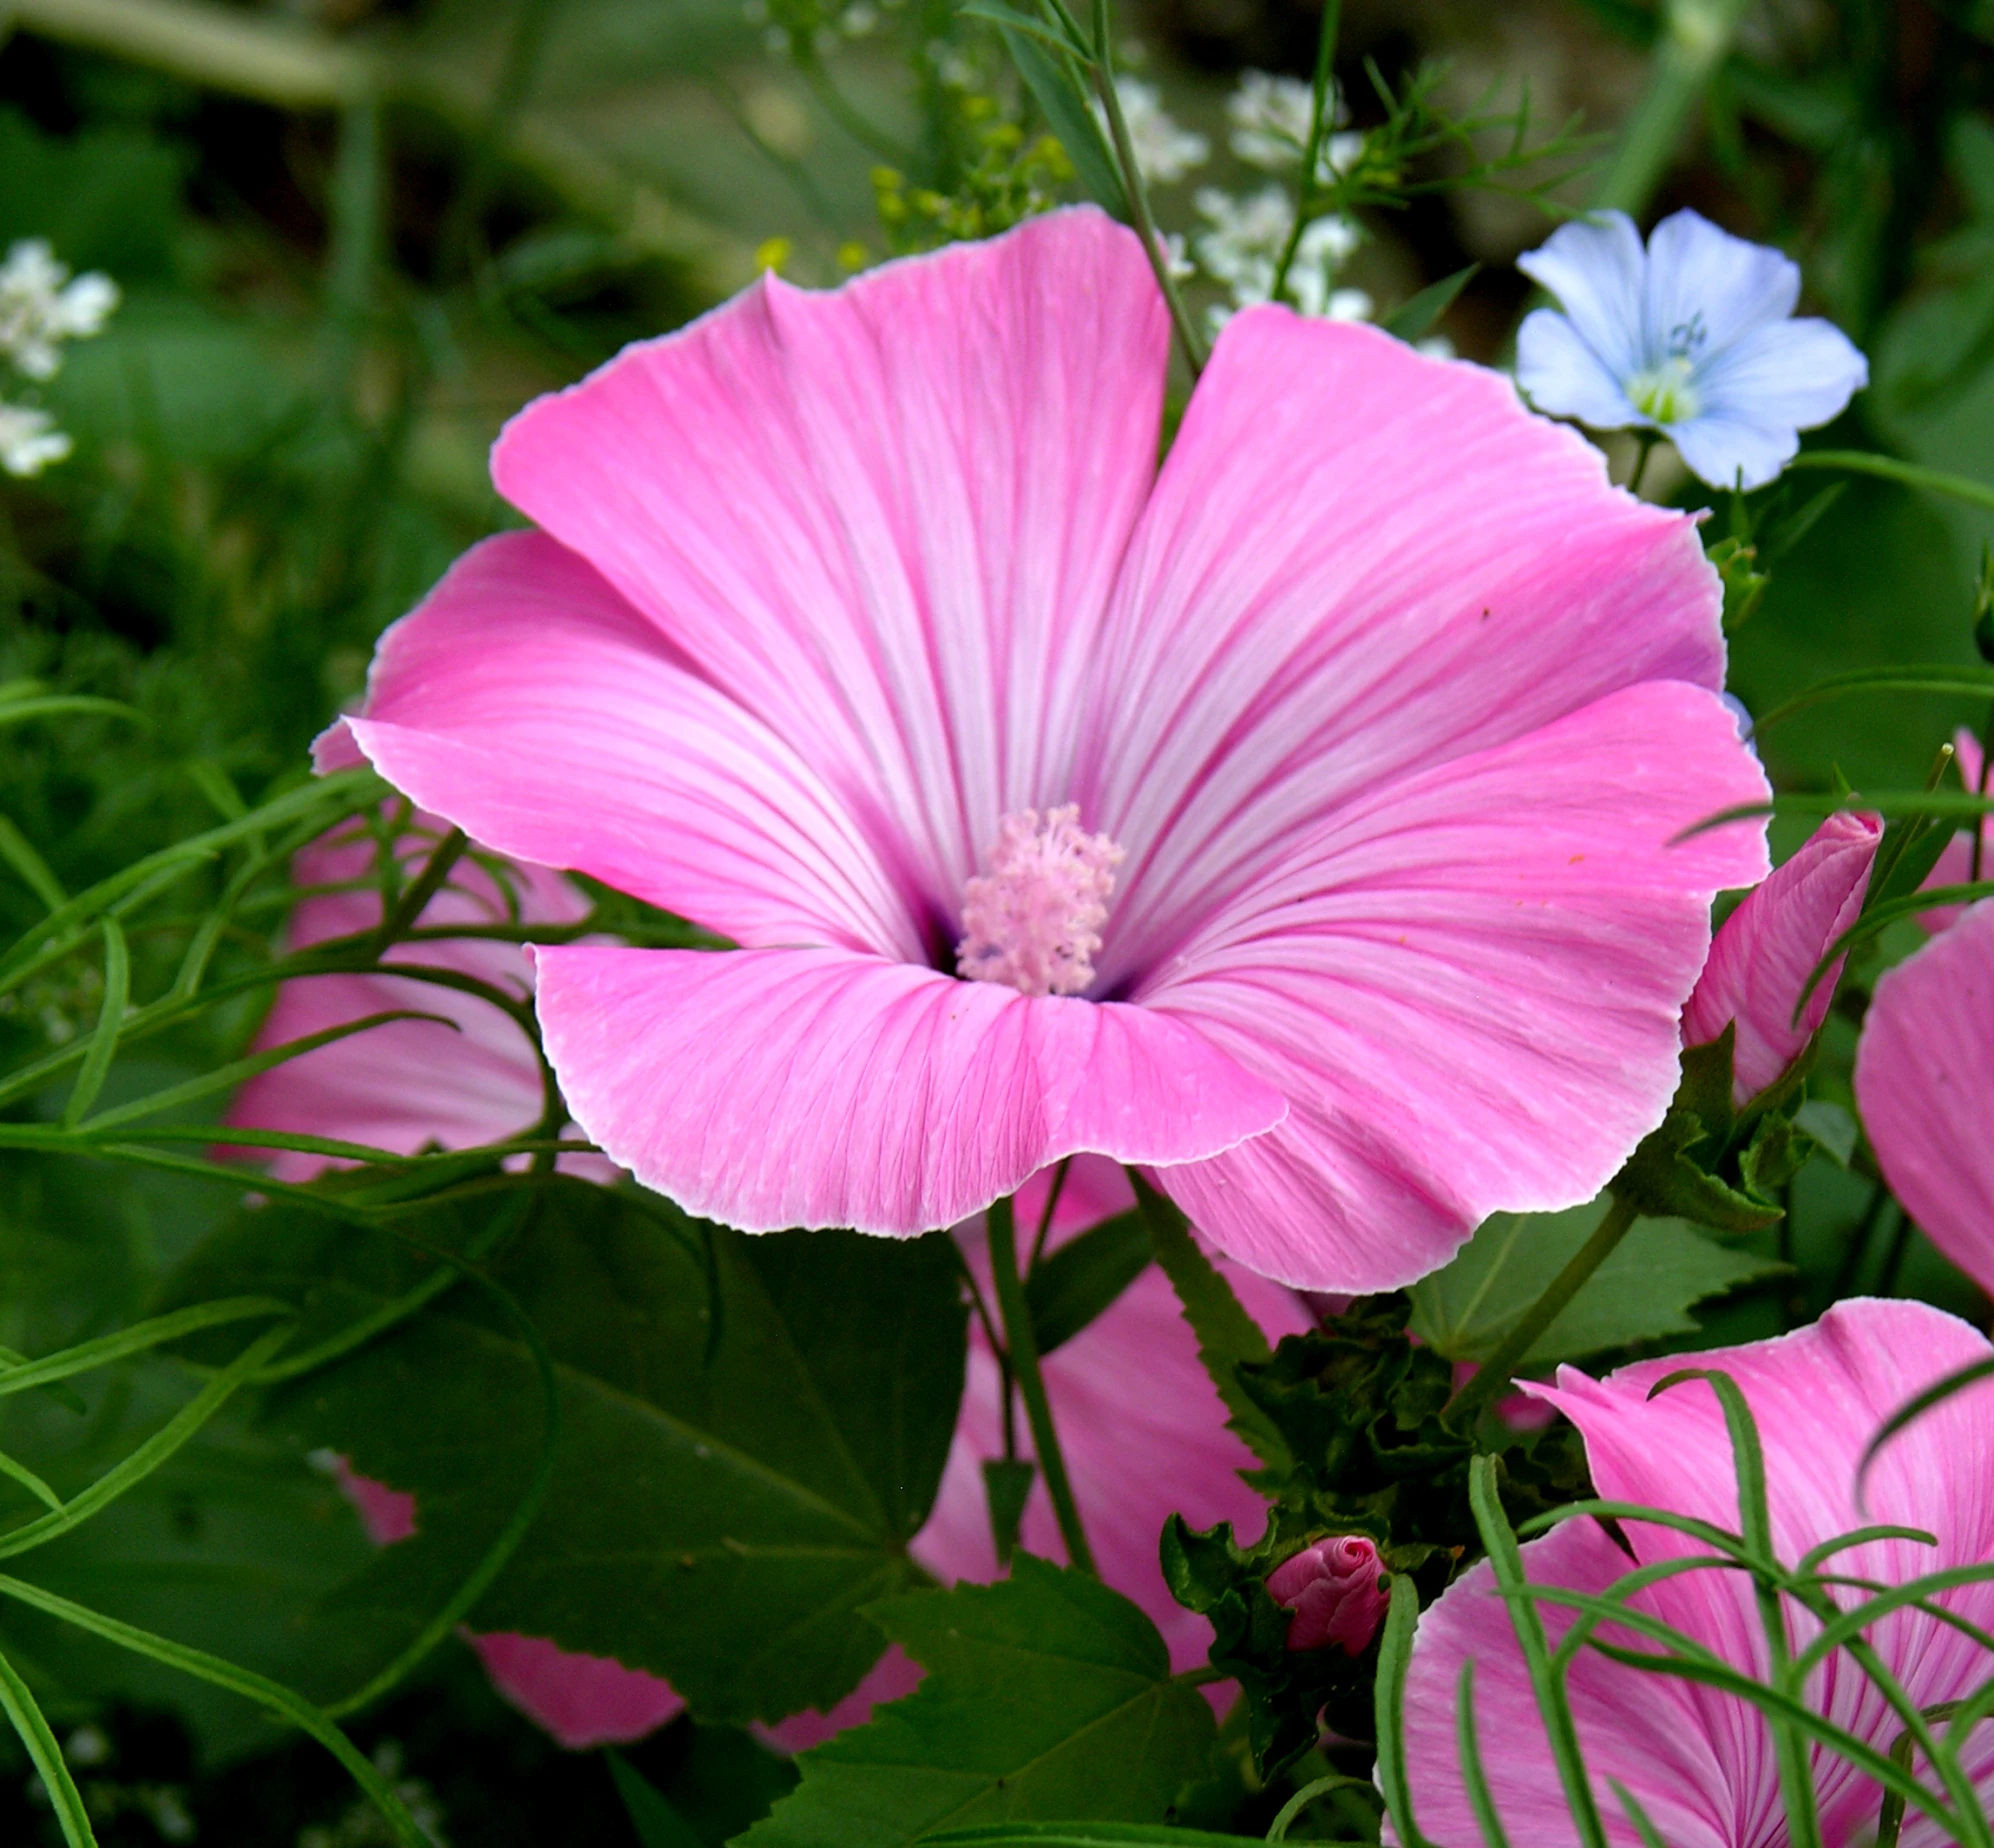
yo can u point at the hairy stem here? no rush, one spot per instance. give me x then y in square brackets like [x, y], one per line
[1022, 1345]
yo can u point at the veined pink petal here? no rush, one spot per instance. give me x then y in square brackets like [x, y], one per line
[809, 1087]
[532, 706]
[1468, 987]
[1768, 947]
[1924, 1079]
[1358, 563]
[884, 519]
[466, 1077]
[1700, 1759]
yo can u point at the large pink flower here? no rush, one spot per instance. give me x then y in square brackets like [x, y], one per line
[1307, 807]
[1924, 1079]
[1700, 1761]
[1141, 1428]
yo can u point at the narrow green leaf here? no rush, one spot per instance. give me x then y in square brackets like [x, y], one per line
[1049, 76]
[1936, 677]
[46, 1756]
[1651, 1837]
[1226, 1334]
[1908, 474]
[657, 1823]
[110, 1023]
[88, 1356]
[1394, 1659]
[1047, 1696]
[19, 853]
[1472, 1775]
[1066, 1291]
[1412, 317]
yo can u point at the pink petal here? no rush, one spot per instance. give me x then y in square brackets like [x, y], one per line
[1922, 1079]
[1645, 1730]
[532, 706]
[1143, 1434]
[1818, 1396]
[1701, 1762]
[1467, 983]
[808, 1087]
[885, 519]
[1358, 563]
[1955, 864]
[410, 1084]
[582, 1700]
[1768, 947]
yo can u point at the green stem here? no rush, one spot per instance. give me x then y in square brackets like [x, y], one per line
[1908, 474]
[1188, 336]
[1320, 112]
[20, 1706]
[1022, 1345]
[1648, 441]
[1696, 38]
[1494, 1376]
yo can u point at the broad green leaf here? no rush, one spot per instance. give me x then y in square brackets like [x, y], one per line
[1227, 1335]
[1644, 1291]
[1070, 1287]
[1047, 1696]
[753, 1428]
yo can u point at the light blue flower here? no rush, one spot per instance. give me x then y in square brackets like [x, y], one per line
[1693, 337]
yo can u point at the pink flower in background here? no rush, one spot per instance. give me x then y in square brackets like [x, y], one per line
[1768, 947]
[410, 1083]
[1307, 804]
[1333, 1587]
[1955, 864]
[1924, 1080]
[1698, 1760]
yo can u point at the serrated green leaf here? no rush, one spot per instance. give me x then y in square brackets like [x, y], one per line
[1645, 1290]
[1047, 1696]
[752, 1427]
[1072, 1286]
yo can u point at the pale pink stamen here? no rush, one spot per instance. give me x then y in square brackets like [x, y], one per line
[1034, 920]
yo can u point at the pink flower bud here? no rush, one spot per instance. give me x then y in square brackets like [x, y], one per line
[1769, 946]
[1334, 1590]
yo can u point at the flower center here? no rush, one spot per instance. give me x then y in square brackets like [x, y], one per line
[1664, 392]
[1034, 920]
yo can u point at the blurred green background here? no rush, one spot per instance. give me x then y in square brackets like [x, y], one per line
[353, 236]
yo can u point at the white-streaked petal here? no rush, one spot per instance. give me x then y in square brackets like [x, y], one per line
[1563, 376]
[1596, 268]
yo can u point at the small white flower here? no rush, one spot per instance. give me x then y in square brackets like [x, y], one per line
[1692, 337]
[1270, 126]
[29, 440]
[1244, 245]
[1164, 152]
[40, 307]
[858, 19]
[1177, 264]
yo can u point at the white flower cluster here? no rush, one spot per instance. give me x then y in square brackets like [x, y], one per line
[1164, 151]
[41, 306]
[1270, 126]
[1242, 247]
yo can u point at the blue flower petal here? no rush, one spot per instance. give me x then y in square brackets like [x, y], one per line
[1706, 288]
[1795, 374]
[1595, 267]
[1722, 449]
[1561, 374]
